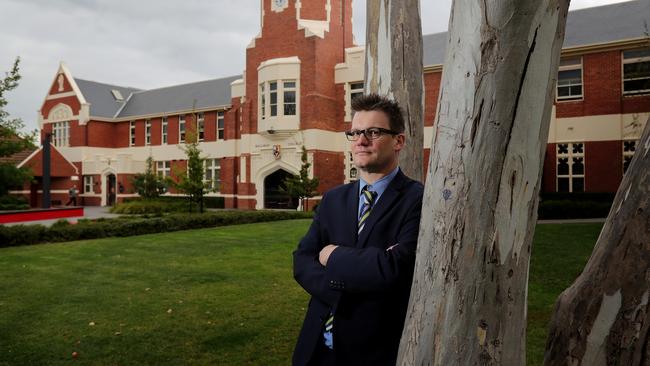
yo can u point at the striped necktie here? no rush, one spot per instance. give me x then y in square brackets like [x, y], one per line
[369, 198]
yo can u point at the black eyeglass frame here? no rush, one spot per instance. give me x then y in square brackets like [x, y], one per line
[377, 132]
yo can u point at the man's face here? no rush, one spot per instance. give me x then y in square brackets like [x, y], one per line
[379, 155]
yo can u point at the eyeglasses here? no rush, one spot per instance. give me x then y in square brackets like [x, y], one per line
[371, 133]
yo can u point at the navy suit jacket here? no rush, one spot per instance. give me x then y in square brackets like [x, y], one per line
[367, 280]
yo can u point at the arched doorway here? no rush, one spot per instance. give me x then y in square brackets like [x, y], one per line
[110, 191]
[274, 196]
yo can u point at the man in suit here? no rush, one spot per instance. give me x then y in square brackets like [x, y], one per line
[356, 261]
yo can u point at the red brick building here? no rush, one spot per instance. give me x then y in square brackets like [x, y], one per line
[301, 72]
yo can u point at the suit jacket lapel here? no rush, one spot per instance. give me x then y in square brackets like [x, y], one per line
[352, 211]
[384, 204]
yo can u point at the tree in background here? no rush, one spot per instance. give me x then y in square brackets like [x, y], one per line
[12, 140]
[301, 186]
[149, 184]
[190, 181]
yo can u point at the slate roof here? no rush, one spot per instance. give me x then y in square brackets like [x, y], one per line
[602, 24]
[100, 97]
[209, 93]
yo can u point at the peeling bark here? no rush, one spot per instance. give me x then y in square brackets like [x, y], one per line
[602, 319]
[468, 300]
[394, 68]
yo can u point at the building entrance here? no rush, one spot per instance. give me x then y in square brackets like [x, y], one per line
[110, 191]
[274, 195]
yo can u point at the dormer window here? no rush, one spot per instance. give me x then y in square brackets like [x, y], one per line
[117, 95]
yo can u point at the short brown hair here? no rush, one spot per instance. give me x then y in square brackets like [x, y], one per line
[376, 102]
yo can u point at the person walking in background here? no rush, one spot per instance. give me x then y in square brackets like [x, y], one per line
[72, 193]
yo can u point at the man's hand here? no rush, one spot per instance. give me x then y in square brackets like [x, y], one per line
[324, 254]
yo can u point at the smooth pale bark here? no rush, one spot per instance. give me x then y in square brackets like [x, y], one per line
[602, 319]
[468, 300]
[394, 68]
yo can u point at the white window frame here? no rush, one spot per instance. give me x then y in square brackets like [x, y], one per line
[181, 128]
[147, 131]
[570, 64]
[88, 184]
[628, 155]
[570, 155]
[262, 100]
[272, 93]
[61, 134]
[164, 168]
[633, 60]
[200, 126]
[221, 120]
[132, 133]
[287, 88]
[163, 131]
[266, 107]
[212, 169]
[352, 88]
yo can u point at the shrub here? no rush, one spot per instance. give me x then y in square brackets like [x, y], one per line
[122, 227]
[140, 206]
[13, 203]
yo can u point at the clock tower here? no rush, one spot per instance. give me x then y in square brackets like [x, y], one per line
[299, 44]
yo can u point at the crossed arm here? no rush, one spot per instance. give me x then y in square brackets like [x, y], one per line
[351, 269]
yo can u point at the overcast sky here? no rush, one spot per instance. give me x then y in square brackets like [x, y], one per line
[146, 43]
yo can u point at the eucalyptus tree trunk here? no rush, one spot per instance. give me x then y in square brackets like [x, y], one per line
[468, 298]
[394, 68]
[602, 319]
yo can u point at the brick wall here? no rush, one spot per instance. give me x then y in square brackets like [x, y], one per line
[70, 101]
[603, 166]
[281, 38]
[328, 167]
[54, 88]
[431, 93]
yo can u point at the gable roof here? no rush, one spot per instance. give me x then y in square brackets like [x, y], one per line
[601, 24]
[59, 165]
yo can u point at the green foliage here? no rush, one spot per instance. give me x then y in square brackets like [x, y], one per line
[208, 201]
[149, 184]
[12, 140]
[191, 181]
[150, 206]
[13, 203]
[301, 186]
[574, 205]
[33, 234]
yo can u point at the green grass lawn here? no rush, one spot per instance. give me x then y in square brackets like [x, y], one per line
[221, 296]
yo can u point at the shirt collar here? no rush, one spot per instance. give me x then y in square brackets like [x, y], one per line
[380, 185]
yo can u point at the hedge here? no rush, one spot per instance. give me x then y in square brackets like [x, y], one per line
[101, 228]
[13, 203]
[569, 209]
[139, 206]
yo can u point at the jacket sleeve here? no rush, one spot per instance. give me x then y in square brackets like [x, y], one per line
[372, 269]
[307, 270]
